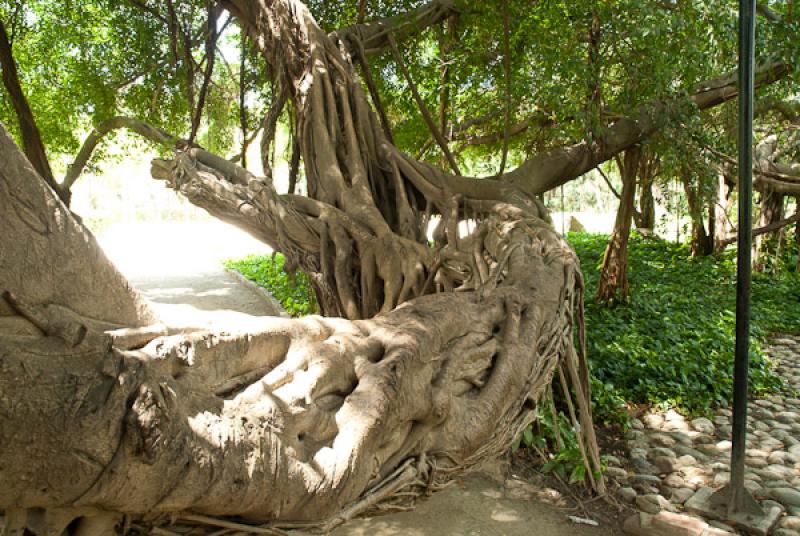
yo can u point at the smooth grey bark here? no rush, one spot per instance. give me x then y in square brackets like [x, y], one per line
[47, 256]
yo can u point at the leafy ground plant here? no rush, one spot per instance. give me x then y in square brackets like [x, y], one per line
[672, 344]
[291, 289]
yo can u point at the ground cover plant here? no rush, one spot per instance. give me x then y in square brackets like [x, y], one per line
[290, 287]
[672, 343]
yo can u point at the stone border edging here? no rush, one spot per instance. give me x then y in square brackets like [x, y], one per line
[261, 291]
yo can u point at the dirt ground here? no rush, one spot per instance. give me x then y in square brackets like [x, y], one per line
[480, 506]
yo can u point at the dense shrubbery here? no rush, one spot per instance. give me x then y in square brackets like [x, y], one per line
[671, 345]
[290, 289]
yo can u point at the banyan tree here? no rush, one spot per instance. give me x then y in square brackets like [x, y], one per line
[429, 358]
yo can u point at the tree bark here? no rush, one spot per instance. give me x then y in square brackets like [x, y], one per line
[282, 421]
[49, 257]
[613, 284]
[771, 212]
[722, 227]
[647, 206]
[702, 241]
[29, 131]
[645, 217]
[374, 35]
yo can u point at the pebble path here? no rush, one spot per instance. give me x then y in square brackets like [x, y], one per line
[669, 457]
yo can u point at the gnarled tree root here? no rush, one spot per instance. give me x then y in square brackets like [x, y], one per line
[301, 423]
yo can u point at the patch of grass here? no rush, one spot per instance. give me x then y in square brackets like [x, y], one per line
[672, 343]
[292, 290]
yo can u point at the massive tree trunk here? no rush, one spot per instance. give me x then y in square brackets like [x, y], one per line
[613, 284]
[441, 358]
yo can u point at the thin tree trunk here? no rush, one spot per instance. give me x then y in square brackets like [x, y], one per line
[211, 53]
[29, 131]
[797, 232]
[771, 212]
[712, 228]
[242, 91]
[722, 228]
[701, 243]
[645, 217]
[647, 205]
[613, 284]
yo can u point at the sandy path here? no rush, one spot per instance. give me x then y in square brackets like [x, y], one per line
[178, 266]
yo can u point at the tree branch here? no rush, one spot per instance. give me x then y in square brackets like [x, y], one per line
[374, 35]
[513, 130]
[771, 228]
[31, 137]
[558, 166]
[140, 127]
[426, 115]
[788, 110]
[764, 10]
[211, 46]
[608, 181]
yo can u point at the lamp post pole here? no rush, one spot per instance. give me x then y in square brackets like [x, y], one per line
[747, 15]
[733, 503]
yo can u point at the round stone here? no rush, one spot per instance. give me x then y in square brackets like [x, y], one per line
[681, 495]
[703, 425]
[662, 440]
[653, 503]
[759, 463]
[786, 496]
[786, 417]
[617, 473]
[778, 457]
[627, 494]
[724, 445]
[653, 420]
[674, 480]
[666, 464]
[657, 452]
[790, 522]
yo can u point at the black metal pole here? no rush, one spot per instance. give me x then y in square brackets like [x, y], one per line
[747, 18]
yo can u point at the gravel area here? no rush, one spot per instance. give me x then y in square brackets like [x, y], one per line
[670, 457]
